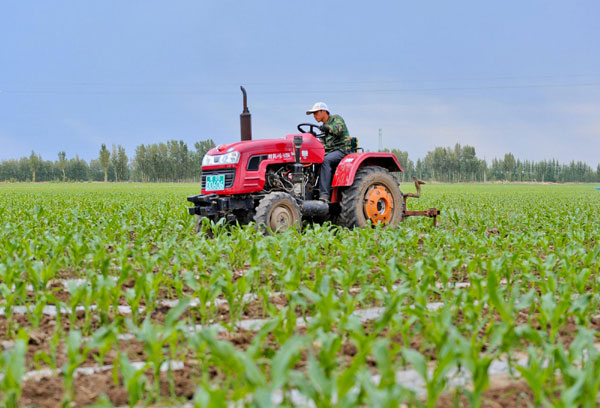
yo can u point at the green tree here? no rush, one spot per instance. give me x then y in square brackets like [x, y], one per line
[95, 172]
[406, 164]
[34, 164]
[179, 160]
[439, 163]
[104, 160]
[62, 164]
[508, 166]
[421, 170]
[77, 169]
[140, 163]
[483, 170]
[121, 165]
[114, 160]
[203, 146]
[469, 164]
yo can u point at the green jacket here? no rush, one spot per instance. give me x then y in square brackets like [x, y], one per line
[338, 137]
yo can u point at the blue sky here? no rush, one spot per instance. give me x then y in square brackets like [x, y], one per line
[511, 76]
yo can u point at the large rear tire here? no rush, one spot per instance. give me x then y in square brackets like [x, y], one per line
[278, 212]
[374, 196]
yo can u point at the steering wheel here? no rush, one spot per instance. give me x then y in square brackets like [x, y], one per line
[311, 130]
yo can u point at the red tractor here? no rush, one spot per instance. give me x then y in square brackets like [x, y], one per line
[272, 182]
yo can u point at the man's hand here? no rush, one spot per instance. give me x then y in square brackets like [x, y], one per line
[325, 128]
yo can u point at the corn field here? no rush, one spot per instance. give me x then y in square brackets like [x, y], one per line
[107, 298]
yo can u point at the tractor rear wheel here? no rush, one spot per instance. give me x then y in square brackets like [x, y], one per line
[277, 212]
[374, 196]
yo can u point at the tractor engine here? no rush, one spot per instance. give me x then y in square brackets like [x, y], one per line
[282, 179]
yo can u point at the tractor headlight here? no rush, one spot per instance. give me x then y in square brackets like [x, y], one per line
[228, 158]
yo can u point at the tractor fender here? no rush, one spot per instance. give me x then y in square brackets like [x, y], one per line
[349, 165]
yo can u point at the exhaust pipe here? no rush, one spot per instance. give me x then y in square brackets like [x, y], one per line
[245, 119]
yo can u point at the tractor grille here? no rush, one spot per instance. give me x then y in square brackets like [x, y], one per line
[229, 176]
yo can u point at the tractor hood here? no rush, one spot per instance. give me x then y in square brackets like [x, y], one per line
[269, 146]
[251, 146]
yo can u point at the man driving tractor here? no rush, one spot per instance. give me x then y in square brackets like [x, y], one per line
[336, 143]
[271, 181]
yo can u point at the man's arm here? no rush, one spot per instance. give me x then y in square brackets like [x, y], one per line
[337, 126]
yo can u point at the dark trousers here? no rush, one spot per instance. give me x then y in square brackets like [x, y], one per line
[330, 162]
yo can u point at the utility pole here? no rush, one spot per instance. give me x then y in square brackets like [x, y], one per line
[380, 141]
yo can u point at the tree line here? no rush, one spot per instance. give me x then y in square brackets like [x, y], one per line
[174, 161]
[460, 164]
[159, 162]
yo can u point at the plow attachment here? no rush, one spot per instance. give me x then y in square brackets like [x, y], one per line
[432, 212]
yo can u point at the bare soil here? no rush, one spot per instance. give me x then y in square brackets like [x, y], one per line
[48, 392]
[502, 394]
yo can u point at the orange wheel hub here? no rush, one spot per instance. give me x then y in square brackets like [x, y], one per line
[379, 205]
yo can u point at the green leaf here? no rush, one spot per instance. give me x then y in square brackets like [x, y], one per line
[417, 360]
[175, 313]
[283, 360]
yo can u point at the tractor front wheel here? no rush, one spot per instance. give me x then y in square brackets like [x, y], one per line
[374, 196]
[277, 212]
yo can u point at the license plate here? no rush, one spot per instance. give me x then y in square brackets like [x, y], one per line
[215, 182]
